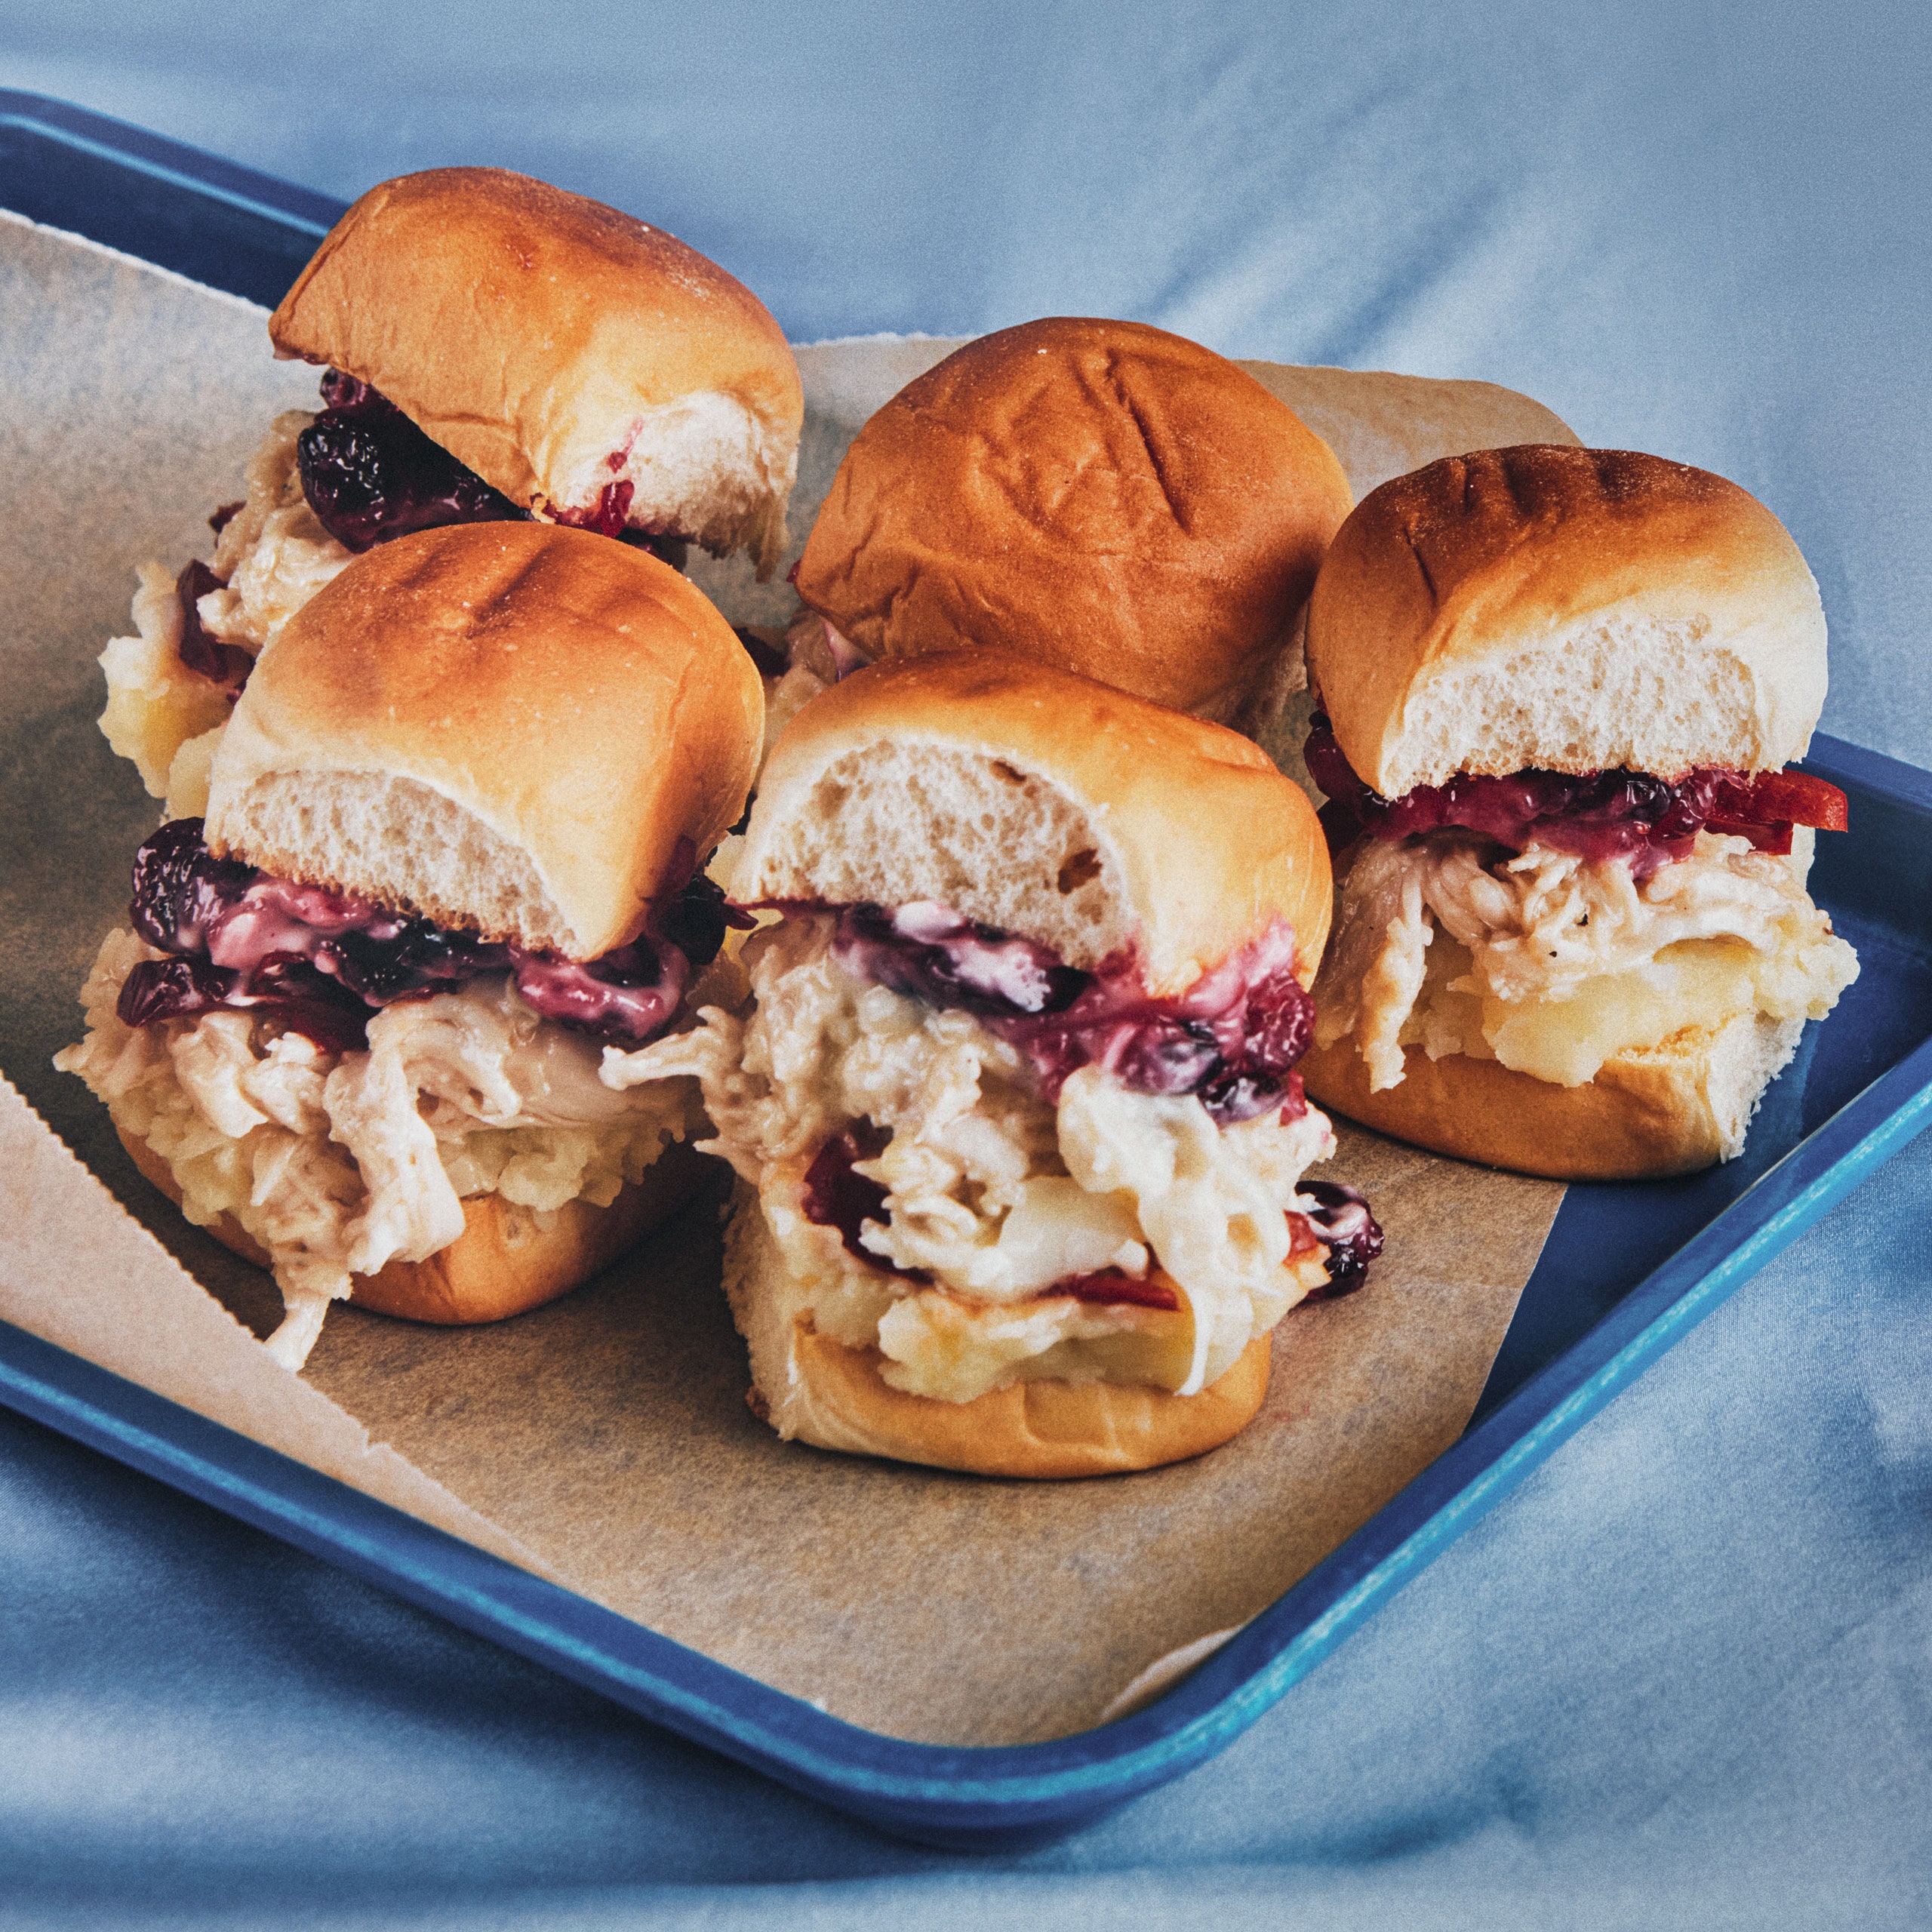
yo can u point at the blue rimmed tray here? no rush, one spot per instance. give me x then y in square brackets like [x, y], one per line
[1626, 1271]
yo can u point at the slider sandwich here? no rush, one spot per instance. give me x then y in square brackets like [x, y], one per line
[1562, 688]
[1020, 1142]
[1104, 496]
[454, 848]
[495, 349]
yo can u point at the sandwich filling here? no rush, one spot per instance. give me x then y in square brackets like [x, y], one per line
[171, 686]
[1550, 921]
[321, 488]
[989, 1166]
[337, 1078]
[815, 656]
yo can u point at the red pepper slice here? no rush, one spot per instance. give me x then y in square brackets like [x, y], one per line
[1775, 838]
[1796, 797]
[1110, 1287]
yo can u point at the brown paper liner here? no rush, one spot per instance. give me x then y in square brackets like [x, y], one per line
[603, 1437]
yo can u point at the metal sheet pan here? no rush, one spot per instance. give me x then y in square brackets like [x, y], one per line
[1628, 1270]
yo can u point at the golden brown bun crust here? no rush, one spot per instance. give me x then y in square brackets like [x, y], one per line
[581, 701]
[502, 1263]
[1038, 1429]
[1508, 563]
[1099, 495]
[1645, 1114]
[1206, 843]
[510, 321]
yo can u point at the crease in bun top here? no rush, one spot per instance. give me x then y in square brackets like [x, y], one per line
[1021, 1147]
[1561, 688]
[494, 348]
[452, 847]
[1102, 496]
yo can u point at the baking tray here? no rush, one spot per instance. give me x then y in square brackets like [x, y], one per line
[1626, 1272]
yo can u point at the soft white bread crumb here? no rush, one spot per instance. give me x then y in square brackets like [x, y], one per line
[704, 466]
[892, 823]
[1045, 803]
[373, 829]
[1730, 1068]
[1621, 692]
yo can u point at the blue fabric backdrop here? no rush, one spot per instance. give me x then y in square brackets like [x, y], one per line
[1684, 1677]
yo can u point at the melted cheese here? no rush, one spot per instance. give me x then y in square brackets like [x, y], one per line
[155, 704]
[1552, 963]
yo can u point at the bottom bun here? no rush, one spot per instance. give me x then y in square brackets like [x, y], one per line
[1653, 1111]
[813, 1389]
[503, 1262]
[1028, 1429]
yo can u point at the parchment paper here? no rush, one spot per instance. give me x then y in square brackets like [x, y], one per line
[605, 1439]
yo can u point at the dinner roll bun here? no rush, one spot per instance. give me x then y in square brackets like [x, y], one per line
[1576, 609]
[1104, 497]
[1046, 804]
[506, 1259]
[811, 1388]
[555, 345]
[512, 728]
[1673, 1108]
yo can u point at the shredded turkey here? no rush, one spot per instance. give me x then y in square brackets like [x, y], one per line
[273, 556]
[1542, 926]
[336, 1164]
[991, 1191]
[816, 656]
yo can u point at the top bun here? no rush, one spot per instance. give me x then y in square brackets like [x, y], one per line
[557, 346]
[1102, 496]
[1577, 610]
[522, 730]
[1043, 803]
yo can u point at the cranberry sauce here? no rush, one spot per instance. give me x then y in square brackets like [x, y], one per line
[1232, 1039]
[928, 953]
[1354, 1237]
[609, 516]
[1630, 815]
[370, 474]
[286, 991]
[319, 961]
[835, 1197]
[227, 665]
